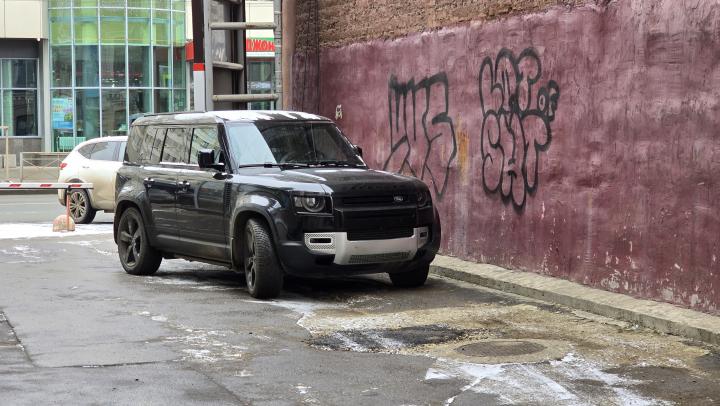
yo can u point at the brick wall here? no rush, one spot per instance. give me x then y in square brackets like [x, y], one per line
[347, 21]
[580, 141]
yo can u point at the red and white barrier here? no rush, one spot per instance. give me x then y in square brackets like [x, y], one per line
[69, 224]
[36, 186]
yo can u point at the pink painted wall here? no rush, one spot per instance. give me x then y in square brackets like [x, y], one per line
[581, 143]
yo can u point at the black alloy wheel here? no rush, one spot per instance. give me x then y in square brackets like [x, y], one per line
[263, 274]
[136, 254]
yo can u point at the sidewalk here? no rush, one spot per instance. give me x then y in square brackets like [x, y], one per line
[662, 317]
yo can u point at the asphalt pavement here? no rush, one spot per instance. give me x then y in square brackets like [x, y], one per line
[76, 329]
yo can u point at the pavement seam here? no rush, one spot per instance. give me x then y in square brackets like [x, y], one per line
[4, 318]
[661, 317]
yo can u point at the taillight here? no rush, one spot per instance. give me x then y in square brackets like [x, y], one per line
[63, 165]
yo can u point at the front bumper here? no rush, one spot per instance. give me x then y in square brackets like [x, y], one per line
[363, 252]
[342, 257]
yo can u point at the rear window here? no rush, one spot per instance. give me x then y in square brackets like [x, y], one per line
[135, 142]
[103, 151]
[86, 150]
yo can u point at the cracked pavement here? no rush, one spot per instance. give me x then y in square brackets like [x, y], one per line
[75, 329]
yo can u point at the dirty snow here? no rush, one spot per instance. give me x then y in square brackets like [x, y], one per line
[13, 231]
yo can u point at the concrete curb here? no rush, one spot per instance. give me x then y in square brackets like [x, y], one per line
[662, 317]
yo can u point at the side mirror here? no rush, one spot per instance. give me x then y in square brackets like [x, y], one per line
[358, 150]
[206, 159]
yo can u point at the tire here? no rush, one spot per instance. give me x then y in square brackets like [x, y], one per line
[136, 254]
[411, 279]
[80, 208]
[263, 274]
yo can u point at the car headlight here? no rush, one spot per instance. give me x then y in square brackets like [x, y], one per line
[423, 198]
[312, 203]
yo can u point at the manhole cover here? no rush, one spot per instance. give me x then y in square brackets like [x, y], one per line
[500, 348]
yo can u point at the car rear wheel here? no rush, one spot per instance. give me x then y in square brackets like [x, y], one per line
[136, 254]
[412, 279]
[262, 270]
[80, 209]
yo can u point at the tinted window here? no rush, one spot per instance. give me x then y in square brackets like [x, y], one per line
[86, 150]
[134, 144]
[103, 151]
[177, 146]
[158, 140]
[205, 138]
[121, 152]
[152, 147]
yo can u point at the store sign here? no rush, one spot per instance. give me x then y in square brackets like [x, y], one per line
[62, 113]
[260, 45]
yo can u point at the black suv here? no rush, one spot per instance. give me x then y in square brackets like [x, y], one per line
[268, 194]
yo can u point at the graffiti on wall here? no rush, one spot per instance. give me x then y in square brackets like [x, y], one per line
[517, 113]
[422, 134]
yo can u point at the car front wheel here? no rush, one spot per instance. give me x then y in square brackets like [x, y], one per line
[136, 254]
[263, 274]
[414, 278]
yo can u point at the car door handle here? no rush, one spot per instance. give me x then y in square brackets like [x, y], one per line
[148, 182]
[183, 186]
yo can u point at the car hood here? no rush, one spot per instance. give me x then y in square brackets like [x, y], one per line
[342, 181]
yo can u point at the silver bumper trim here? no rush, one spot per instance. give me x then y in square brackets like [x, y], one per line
[366, 251]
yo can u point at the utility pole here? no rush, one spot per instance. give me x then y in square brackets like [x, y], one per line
[219, 74]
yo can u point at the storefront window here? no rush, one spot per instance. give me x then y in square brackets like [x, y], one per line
[139, 66]
[87, 113]
[86, 66]
[60, 28]
[18, 100]
[112, 26]
[161, 28]
[114, 113]
[61, 105]
[140, 102]
[86, 25]
[111, 61]
[20, 111]
[61, 64]
[19, 73]
[260, 81]
[162, 101]
[162, 66]
[138, 27]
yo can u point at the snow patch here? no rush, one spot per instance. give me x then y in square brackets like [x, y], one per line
[15, 231]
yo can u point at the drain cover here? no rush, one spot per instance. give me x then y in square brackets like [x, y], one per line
[500, 348]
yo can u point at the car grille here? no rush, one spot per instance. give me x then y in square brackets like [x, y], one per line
[388, 219]
[376, 200]
[379, 258]
[380, 234]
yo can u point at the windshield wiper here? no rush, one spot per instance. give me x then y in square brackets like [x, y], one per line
[336, 163]
[284, 165]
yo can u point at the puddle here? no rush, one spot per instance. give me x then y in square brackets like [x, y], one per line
[376, 340]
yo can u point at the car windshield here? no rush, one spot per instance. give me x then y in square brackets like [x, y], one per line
[302, 144]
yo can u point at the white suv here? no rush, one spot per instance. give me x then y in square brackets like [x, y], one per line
[95, 161]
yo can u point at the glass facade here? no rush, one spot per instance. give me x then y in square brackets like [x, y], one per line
[19, 96]
[112, 60]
